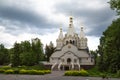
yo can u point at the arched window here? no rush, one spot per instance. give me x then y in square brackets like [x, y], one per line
[73, 42]
[66, 42]
[70, 41]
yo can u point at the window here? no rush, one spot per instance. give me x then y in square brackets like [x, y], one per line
[70, 41]
[66, 42]
[74, 42]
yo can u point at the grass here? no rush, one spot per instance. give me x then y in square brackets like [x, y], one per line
[94, 72]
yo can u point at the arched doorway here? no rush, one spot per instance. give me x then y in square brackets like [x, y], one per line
[68, 65]
[68, 61]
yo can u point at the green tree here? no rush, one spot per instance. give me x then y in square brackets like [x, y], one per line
[4, 55]
[15, 56]
[37, 48]
[49, 49]
[109, 48]
[95, 55]
[115, 5]
[26, 56]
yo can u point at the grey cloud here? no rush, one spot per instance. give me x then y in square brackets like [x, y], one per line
[12, 17]
[96, 19]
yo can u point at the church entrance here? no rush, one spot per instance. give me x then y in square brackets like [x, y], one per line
[66, 68]
[68, 61]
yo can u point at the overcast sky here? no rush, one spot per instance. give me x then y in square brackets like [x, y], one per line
[25, 19]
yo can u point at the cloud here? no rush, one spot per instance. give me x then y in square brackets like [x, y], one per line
[15, 19]
[97, 15]
[24, 19]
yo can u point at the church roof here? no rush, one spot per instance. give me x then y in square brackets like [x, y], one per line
[70, 48]
[71, 30]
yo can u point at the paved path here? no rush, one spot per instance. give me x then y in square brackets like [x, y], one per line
[56, 75]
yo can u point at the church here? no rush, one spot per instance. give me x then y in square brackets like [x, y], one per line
[72, 52]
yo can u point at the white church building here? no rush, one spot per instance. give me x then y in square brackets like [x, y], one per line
[72, 52]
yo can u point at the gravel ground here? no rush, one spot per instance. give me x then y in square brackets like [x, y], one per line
[56, 75]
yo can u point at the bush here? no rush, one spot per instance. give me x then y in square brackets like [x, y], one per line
[47, 71]
[34, 72]
[84, 72]
[2, 70]
[16, 71]
[5, 67]
[76, 73]
[23, 71]
[40, 72]
[118, 73]
[9, 71]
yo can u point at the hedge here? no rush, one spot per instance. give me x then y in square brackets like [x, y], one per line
[77, 73]
[6, 70]
[9, 71]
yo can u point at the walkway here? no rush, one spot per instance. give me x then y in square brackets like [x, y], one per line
[56, 75]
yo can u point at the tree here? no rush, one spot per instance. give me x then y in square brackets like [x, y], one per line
[115, 5]
[49, 49]
[4, 55]
[109, 48]
[95, 55]
[27, 56]
[37, 48]
[15, 58]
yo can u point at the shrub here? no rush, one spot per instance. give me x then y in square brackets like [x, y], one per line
[84, 72]
[118, 73]
[16, 71]
[23, 71]
[36, 72]
[76, 73]
[9, 71]
[5, 67]
[2, 70]
[40, 72]
[47, 71]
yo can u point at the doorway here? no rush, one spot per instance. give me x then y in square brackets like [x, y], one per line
[68, 61]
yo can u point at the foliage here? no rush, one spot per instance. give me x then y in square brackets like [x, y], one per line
[26, 53]
[34, 70]
[77, 73]
[37, 48]
[95, 55]
[2, 70]
[118, 73]
[9, 71]
[27, 58]
[4, 55]
[5, 67]
[23, 71]
[115, 4]
[84, 72]
[15, 58]
[109, 48]
[49, 49]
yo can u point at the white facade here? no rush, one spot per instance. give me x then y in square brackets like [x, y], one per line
[71, 50]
